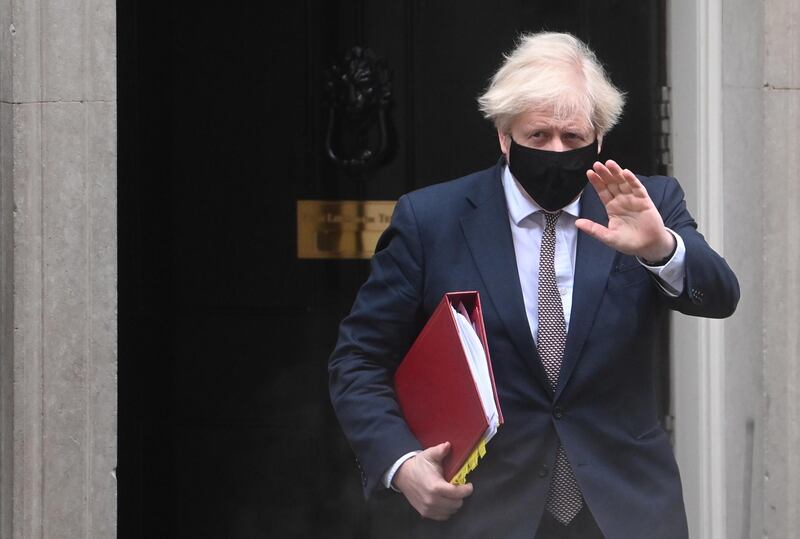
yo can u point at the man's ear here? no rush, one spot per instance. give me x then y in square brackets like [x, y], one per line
[504, 142]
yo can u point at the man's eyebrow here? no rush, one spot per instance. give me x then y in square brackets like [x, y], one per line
[556, 124]
[540, 124]
[576, 127]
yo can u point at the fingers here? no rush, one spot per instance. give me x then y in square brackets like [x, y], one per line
[608, 180]
[452, 496]
[599, 185]
[619, 180]
[454, 492]
[613, 177]
[635, 185]
[421, 482]
[443, 500]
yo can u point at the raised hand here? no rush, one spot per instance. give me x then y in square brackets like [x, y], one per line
[634, 225]
[421, 482]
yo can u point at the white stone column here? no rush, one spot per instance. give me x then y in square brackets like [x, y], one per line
[743, 171]
[58, 268]
[699, 370]
[781, 195]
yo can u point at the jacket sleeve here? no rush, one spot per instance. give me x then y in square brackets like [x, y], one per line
[373, 339]
[710, 287]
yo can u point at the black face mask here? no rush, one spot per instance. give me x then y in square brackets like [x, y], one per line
[552, 179]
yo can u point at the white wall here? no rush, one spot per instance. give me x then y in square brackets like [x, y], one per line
[781, 270]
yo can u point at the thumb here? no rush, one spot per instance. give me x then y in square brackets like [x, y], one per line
[437, 453]
[595, 230]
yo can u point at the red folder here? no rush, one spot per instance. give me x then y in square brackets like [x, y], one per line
[435, 388]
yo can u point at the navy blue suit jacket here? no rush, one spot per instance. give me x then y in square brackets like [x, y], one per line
[456, 236]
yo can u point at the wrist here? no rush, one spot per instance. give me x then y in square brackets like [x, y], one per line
[399, 477]
[660, 254]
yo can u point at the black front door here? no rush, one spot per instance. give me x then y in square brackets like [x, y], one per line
[225, 428]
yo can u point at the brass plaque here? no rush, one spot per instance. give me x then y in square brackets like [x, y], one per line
[341, 228]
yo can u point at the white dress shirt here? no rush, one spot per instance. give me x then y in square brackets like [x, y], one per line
[527, 225]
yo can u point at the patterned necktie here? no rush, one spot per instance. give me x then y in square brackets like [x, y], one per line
[564, 500]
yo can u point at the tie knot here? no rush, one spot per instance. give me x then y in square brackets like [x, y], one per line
[551, 218]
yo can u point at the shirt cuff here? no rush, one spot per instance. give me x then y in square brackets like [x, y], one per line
[670, 275]
[389, 475]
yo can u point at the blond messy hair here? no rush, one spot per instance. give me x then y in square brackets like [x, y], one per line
[552, 71]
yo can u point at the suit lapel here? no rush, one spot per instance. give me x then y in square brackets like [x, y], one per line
[488, 235]
[592, 267]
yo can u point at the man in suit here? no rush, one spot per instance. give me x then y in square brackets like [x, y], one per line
[575, 282]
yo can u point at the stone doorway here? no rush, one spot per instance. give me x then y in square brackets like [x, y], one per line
[225, 429]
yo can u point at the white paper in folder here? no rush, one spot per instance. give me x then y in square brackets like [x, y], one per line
[479, 367]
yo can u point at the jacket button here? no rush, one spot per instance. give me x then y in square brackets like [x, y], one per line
[558, 412]
[543, 471]
[697, 295]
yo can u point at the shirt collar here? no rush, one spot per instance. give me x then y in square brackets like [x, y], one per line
[521, 205]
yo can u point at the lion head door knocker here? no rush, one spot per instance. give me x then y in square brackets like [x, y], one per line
[358, 93]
